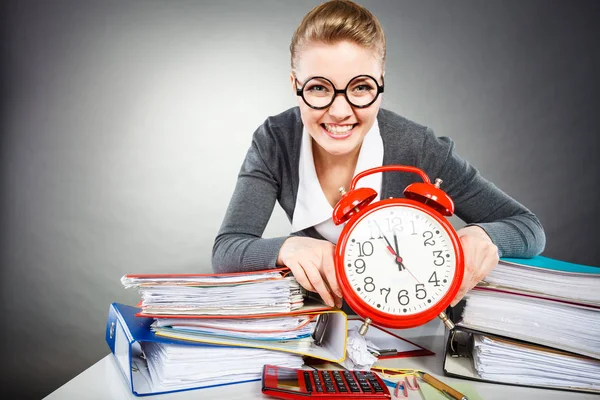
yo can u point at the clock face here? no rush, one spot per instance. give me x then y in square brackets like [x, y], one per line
[399, 260]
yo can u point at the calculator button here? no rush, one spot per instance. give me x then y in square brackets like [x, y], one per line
[352, 383]
[377, 387]
[307, 382]
[365, 387]
[375, 384]
[318, 381]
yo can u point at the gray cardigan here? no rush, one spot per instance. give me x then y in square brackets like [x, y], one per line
[270, 172]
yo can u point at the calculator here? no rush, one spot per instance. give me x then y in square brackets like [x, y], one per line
[292, 383]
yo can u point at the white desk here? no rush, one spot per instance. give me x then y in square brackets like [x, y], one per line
[104, 380]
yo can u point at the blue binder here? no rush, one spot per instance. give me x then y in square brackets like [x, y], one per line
[553, 264]
[124, 334]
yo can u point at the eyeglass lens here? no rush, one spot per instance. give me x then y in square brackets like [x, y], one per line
[361, 91]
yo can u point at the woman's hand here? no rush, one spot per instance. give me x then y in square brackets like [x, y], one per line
[311, 262]
[481, 257]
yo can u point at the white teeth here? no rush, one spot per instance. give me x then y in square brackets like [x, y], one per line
[338, 129]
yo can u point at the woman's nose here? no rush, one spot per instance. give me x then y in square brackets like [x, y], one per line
[340, 108]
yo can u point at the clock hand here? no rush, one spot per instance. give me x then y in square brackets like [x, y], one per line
[389, 245]
[398, 258]
[399, 261]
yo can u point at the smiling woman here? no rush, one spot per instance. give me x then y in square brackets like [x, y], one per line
[302, 156]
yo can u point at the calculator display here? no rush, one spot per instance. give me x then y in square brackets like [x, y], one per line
[287, 379]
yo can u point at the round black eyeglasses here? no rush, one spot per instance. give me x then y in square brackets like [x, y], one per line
[319, 92]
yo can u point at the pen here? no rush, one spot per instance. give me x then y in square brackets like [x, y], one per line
[388, 352]
[442, 387]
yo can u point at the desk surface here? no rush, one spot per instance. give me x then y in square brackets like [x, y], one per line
[104, 380]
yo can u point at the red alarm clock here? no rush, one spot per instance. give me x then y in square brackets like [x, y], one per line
[399, 262]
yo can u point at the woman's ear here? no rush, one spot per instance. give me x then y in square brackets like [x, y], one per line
[293, 82]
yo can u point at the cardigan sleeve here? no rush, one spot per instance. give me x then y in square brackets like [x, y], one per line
[515, 230]
[239, 246]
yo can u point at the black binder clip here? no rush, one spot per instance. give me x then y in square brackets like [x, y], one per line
[320, 328]
[461, 343]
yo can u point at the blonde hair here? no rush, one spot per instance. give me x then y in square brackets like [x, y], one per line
[336, 21]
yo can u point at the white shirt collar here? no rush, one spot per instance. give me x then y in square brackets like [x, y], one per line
[312, 207]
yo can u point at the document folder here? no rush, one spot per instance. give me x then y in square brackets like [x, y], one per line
[458, 359]
[532, 323]
[124, 334]
[332, 348]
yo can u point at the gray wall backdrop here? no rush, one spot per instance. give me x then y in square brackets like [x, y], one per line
[124, 125]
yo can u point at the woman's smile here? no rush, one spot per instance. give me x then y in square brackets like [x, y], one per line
[338, 131]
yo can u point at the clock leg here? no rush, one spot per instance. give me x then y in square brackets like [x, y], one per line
[365, 326]
[449, 324]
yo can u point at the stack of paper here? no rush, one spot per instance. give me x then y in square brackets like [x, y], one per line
[234, 294]
[532, 322]
[507, 361]
[547, 278]
[282, 328]
[235, 324]
[254, 309]
[176, 367]
[541, 321]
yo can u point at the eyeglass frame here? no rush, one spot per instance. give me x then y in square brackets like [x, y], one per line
[300, 92]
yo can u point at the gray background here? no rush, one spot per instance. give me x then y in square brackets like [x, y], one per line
[124, 125]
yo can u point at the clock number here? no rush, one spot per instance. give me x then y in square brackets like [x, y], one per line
[428, 235]
[403, 298]
[433, 279]
[375, 231]
[414, 231]
[365, 250]
[395, 224]
[360, 268]
[388, 290]
[420, 292]
[369, 283]
[439, 260]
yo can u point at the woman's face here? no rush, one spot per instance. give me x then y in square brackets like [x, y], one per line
[340, 128]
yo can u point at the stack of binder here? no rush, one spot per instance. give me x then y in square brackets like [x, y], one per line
[202, 330]
[532, 322]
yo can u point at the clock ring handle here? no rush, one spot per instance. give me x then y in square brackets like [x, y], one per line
[388, 168]
[424, 192]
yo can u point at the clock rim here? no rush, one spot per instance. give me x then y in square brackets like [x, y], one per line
[380, 317]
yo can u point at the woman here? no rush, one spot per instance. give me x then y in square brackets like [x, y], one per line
[302, 156]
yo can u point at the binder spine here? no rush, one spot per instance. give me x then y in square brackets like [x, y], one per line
[111, 326]
[119, 341]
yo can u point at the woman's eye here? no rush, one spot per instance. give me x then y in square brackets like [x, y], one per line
[317, 88]
[362, 88]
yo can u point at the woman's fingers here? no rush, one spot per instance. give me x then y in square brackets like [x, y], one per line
[312, 263]
[300, 276]
[481, 257]
[329, 271]
[317, 281]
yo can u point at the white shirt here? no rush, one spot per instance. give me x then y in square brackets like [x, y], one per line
[312, 207]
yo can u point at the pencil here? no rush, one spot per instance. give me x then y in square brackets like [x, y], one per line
[442, 387]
